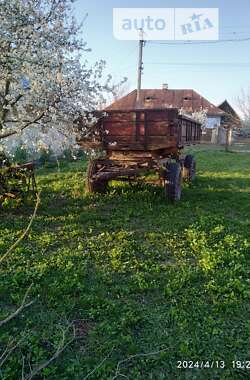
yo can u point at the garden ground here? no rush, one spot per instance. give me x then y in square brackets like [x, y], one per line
[139, 283]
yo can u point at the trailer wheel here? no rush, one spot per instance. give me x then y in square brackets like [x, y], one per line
[92, 185]
[173, 182]
[190, 167]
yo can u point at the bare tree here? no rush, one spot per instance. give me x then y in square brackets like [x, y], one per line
[119, 90]
[243, 102]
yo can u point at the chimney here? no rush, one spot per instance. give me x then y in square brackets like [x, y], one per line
[165, 86]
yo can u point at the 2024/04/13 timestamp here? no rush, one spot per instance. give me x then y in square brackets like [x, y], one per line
[203, 364]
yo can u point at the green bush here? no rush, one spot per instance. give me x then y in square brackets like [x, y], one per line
[47, 158]
[21, 155]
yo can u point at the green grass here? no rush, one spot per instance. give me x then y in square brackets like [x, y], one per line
[133, 273]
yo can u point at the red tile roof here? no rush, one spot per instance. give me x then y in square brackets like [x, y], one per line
[189, 100]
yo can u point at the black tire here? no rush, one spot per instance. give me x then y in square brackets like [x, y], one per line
[190, 167]
[92, 185]
[173, 182]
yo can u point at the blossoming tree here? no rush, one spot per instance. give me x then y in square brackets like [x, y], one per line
[200, 116]
[45, 81]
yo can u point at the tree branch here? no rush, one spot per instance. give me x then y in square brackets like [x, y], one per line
[21, 307]
[11, 249]
[118, 373]
[8, 351]
[98, 366]
[8, 134]
[16, 100]
[5, 102]
[61, 347]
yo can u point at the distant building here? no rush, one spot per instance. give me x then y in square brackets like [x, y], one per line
[230, 120]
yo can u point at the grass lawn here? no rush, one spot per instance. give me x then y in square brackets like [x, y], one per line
[141, 284]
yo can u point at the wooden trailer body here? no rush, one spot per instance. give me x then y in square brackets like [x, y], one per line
[148, 130]
[144, 131]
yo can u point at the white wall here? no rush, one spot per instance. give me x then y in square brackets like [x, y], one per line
[213, 122]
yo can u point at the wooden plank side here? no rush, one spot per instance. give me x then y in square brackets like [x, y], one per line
[153, 116]
[121, 116]
[120, 139]
[148, 130]
[159, 115]
[160, 140]
[159, 128]
[119, 130]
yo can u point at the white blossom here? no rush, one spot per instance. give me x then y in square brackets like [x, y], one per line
[45, 79]
[199, 116]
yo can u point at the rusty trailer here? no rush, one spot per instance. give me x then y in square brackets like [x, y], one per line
[137, 142]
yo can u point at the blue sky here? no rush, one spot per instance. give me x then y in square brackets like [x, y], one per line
[217, 71]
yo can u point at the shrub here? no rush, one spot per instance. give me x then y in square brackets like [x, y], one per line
[21, 155]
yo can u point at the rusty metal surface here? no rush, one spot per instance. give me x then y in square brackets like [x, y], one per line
[189, 100]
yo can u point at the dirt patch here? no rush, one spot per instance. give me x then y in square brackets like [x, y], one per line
[82, 327]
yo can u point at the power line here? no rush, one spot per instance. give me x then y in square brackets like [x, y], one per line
[199, 42]
[236, 26]
[241, 34]
[128, 55]
[223, 64]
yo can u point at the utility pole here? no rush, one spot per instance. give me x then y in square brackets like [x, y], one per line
[140, 66]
